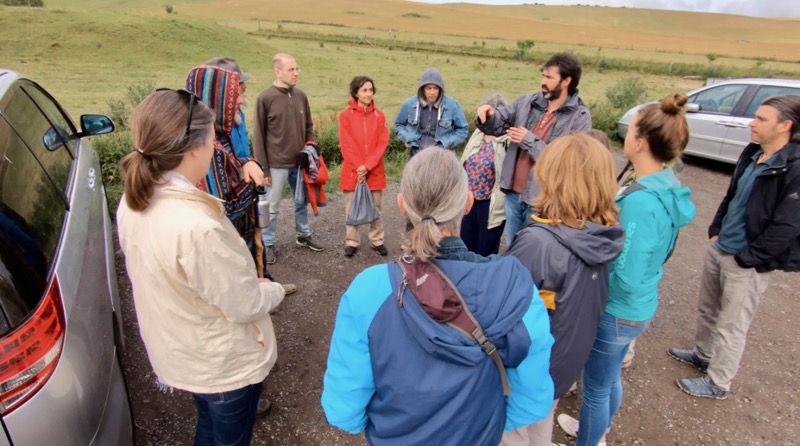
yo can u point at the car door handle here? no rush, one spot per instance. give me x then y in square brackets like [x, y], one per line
[730, 124]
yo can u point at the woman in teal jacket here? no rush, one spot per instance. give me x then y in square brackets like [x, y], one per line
[652, 210]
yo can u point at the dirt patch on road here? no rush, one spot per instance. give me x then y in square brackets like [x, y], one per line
[763, 409]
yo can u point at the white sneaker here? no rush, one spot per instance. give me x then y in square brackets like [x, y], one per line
[568, 424]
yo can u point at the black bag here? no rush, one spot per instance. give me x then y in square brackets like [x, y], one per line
[362, 209]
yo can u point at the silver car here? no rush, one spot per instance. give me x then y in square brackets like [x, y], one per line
[719, 113]
[60, 321]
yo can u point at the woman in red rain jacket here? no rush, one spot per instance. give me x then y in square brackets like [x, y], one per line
[363, 137]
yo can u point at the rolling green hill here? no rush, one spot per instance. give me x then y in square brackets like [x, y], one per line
[102, 51]
[618, 28]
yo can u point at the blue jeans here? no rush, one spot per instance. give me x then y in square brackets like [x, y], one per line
[601, 381]
[279, 179]
[517, 212]
[226, 418]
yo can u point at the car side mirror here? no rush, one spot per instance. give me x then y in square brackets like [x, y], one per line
[691, 107]
[96, 125]
[54, 138]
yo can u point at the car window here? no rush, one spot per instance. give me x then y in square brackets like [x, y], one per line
[46, 138]
[32, 212]
[765, 92]
[719, 100]
[62, 124]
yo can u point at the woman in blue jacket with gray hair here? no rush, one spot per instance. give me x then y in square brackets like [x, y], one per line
[407, 379]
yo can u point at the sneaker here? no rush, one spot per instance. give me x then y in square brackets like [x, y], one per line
[289, 288]
[568, 424]
[573, 389]
[626, 363]
[308, 242]
[264, 408]
[690, 357]
[380, 249]
[350, 251]
[703, 387]
[271, 254]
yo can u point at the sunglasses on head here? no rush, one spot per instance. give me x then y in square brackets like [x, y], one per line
[192, 99]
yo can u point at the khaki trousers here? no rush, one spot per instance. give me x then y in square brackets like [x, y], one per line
[352, 237]
[536, 434]
[729, 297]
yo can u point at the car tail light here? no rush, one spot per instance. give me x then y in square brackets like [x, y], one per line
[29, 354]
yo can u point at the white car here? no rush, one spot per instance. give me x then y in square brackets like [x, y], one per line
[60, 321]
[718, 115]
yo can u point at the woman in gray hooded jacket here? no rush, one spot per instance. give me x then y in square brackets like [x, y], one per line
[568, 245]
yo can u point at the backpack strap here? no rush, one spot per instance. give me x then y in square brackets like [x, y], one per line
[442, 301]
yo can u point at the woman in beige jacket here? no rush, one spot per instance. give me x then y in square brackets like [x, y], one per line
[203, 313]
[482, 228]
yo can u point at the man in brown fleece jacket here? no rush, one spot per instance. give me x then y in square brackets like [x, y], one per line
[282, 127]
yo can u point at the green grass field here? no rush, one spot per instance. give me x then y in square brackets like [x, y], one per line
[85, 59]
[87, 52]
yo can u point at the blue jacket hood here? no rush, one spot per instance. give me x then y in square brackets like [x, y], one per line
[676, 198]
[510, 290]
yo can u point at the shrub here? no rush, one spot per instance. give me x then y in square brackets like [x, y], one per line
[605, 117]
[327, 140]
[523, 46]
[111, 149]
[168, 8]
[138, 91]
[626, 93]
[119, 112]
[34, 3]
[120, 109]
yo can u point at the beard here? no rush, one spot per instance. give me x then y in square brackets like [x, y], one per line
[554, 94]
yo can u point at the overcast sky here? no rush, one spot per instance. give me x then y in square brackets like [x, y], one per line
[755, 8]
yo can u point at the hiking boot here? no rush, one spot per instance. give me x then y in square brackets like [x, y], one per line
[568, 424]
[308, 242]
[289, 288]
[350, 251]
[703, 387]
[264, 408]
[380, 249]
[690, 357]
[270, 254]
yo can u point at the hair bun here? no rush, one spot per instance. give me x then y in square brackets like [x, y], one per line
[673, 103]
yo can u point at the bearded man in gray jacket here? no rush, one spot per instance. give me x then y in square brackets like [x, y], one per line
[531, 122]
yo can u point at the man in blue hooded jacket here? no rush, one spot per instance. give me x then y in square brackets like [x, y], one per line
[430, 117]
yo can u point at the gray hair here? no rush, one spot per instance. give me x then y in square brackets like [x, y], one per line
[496, 100]
[434, 192]
[788, 107]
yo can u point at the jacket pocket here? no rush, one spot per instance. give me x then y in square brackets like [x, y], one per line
[446, 124]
